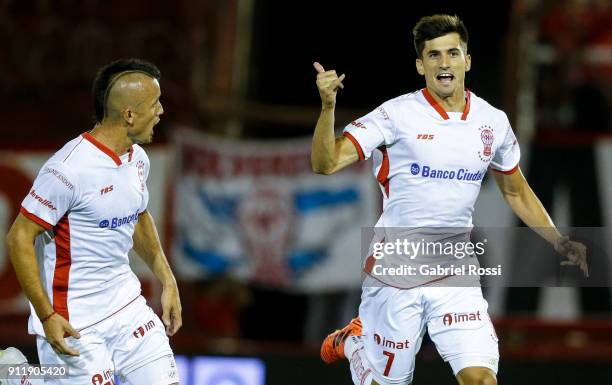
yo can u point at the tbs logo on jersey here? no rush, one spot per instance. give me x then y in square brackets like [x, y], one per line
[462, 174]
[118, 221]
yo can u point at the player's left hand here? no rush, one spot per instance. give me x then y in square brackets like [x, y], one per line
[171, 306]
[574, 251]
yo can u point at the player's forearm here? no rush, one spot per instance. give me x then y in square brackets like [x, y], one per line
[324, 143]
[23, 257]
[148, 246]
[530, 210]
[158, 263]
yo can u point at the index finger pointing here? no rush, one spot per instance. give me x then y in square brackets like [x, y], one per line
[318, 67]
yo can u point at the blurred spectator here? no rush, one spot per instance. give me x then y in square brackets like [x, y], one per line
[573, 109]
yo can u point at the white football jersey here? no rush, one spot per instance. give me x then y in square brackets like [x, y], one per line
[89, 200]
[430, 163]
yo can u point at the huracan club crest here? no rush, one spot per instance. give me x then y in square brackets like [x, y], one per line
[141, 174]
[486, 135]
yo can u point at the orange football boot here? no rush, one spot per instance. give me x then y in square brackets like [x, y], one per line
[332, 348]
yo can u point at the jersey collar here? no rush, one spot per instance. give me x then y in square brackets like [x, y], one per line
[104, 149]
[439, 108]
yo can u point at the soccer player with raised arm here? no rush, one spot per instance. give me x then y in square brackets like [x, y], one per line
[442, 127]
[69, 245]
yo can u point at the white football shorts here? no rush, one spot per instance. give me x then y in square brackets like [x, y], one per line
[394, 322]
[118, 345]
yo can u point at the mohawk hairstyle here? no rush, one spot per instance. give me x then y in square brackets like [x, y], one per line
[431, 27]
[108, 74]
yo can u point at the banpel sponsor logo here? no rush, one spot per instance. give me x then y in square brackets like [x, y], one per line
[451, 318]
[387, 343]
[115, 222]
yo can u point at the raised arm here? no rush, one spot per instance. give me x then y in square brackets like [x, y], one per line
[148, 246]
[527, 206]
[329, 154]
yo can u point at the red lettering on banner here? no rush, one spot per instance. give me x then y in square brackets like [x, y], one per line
[210, 162]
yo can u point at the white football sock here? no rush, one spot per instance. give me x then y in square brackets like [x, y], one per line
[350, 344]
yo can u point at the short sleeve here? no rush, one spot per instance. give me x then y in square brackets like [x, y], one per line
[371, 131]
[508, 154]
[51, 195]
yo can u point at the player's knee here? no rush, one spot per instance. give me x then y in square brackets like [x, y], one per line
[477, 376]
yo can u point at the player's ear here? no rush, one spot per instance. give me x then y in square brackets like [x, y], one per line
[128, 116]
[468, 62]
[419, 67]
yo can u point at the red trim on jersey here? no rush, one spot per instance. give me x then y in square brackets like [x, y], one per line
[356, 144]
[441, 111]
[383, 172]
[371, 261]
[102, 148]
[63, 260]
[34, 218]
[131, 151]
[110, 315]
[435, 104]
[466, 110]
[511, 171]
[369, 264]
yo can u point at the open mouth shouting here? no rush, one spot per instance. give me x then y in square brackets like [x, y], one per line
[445, 78]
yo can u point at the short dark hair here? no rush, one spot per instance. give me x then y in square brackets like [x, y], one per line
[431, 27]
[106, 76]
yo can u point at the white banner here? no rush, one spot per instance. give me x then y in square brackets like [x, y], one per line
[256, 211]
